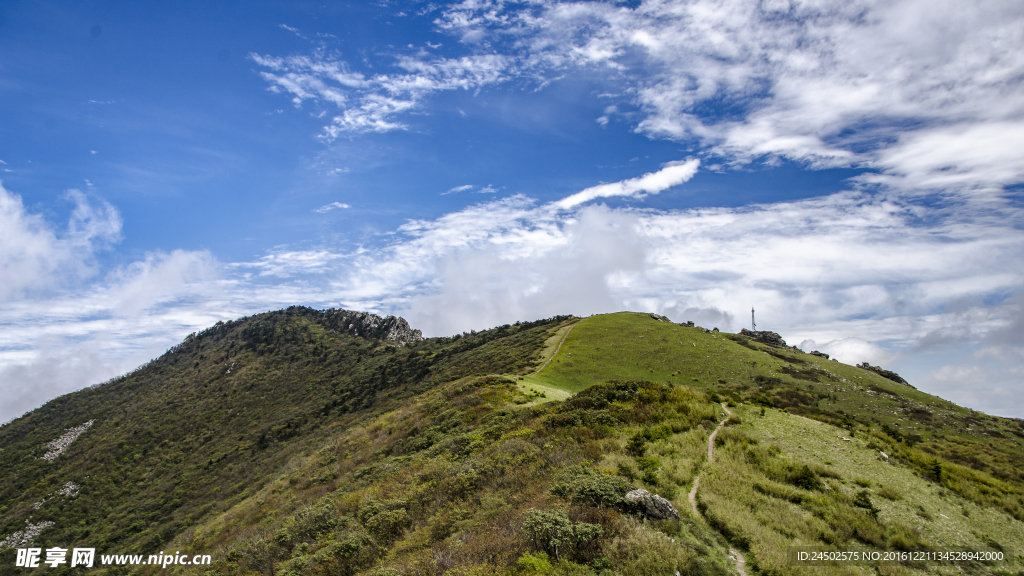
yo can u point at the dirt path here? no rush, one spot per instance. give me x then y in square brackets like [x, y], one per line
[693, 496]
[555, 353]
[741, 562]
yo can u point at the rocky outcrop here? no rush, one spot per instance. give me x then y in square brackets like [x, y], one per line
[770, 338]
[819, 354]
[373, 326]
[884, 373]
[652, 505]
[55, 448]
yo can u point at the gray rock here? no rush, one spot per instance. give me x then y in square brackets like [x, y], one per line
[652, 505]
[820, 354]
[770, 338]
[373, 326]
[884, 373]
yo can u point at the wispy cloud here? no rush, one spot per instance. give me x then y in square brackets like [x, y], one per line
[373, 103]
[930, 105]
[458, 189]
[671, 175]
[489, 189]
[332, 206]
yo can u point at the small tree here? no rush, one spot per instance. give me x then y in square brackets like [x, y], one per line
[806, 478]
[862, 500]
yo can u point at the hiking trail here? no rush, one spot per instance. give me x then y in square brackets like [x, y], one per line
[741, 562]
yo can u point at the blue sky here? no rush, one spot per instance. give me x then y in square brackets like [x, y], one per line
[850, 169]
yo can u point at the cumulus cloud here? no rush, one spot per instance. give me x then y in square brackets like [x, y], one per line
[66, 325]
[35, 255]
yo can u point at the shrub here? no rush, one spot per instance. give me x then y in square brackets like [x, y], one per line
[386, 521]
[806, 478]
[552, 532]
[582, 485]
[637, 445]
[862, 500]
[626, 470]
[648, 463]
[538, 563]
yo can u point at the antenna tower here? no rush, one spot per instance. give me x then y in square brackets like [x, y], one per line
[753, 326]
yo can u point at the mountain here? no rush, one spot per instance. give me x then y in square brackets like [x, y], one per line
[335, 442]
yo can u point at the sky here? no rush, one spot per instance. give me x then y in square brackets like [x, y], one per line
[850, 169]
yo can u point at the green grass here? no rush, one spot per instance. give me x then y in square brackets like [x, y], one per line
[630, 346]
[923, 505]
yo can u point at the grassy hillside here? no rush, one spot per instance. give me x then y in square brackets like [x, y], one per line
[202, 427]
[639, 346]
[510, 452]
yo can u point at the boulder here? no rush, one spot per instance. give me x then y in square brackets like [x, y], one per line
[652, 505]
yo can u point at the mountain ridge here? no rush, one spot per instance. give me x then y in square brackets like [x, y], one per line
[293, 408]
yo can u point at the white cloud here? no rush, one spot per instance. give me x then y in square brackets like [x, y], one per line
[332, 206]
[66, 326]
[851, 351]
[651, 183]
[923, 92]
[371, 103]
[458, 189]
[926, 92]
[35, 256]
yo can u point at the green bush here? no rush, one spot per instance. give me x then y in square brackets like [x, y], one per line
[386, 521]
[806, 478]
[863, 500]
[586, 486]
[538, 563]
[552, 532]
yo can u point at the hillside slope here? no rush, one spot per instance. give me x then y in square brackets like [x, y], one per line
[203, 426]
[287, 444]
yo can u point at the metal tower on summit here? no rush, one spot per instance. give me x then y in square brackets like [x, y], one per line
[753, 326]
